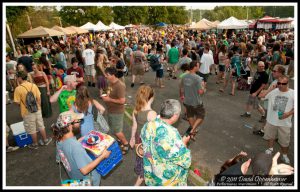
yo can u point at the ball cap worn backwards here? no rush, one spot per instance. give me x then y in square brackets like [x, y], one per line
[67, 117]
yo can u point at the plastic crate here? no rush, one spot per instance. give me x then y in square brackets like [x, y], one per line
[106, 165]
[23, 139]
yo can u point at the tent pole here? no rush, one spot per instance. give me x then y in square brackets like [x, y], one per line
[11, 39]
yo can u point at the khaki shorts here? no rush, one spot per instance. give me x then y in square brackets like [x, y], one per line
[173, 67]
[115, 122]
[253, 101]
[195, 111]
[33, 121]
[284, 134]
[138, 70]
[90, 70]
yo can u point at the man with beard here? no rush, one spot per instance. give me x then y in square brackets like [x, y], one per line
[75, 159]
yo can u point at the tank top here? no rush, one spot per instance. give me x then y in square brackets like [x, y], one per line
[141, 119]
[39, 80]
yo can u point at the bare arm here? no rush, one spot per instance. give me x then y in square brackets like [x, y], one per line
[55, 96]
[133, 130]
[89, 167]
[99, 106]
[260, 88]
[47, 83]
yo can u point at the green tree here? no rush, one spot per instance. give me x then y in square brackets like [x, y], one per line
[125, 15]
[177, 15]
[157, 14]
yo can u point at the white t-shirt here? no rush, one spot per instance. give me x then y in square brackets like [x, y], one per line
[206, 61]
[280, 101]
[89, 56]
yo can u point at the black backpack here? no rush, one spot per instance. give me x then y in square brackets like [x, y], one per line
[30, 102]
[154, 63]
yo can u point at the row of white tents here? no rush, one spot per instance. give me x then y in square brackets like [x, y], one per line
[60, 31]
[101, 27]
[233, 23]
[230, 23]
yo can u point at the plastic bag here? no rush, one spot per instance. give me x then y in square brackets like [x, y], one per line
[100, 124]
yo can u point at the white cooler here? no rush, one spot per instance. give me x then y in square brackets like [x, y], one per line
[21, 137]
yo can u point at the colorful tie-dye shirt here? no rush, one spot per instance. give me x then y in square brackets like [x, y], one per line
[166, 159]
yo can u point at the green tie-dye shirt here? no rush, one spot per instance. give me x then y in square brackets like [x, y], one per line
[66, 99]
[166, 159]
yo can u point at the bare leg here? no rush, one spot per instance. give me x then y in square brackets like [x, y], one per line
[43, 133]
[122, 138]
[139, 181]
[271, 143]
[261, 110]
[232, 86]
[34, 138]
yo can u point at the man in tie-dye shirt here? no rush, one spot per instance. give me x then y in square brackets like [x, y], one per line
[166, 157]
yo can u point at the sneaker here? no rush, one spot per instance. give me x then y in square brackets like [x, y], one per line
[262, 119]
[48, 141]
[41, 142]
[11, 149]
[269, 152]
[259, 132]
[33, 146]
[246, 115]
[285, 159]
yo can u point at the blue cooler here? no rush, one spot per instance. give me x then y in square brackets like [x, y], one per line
[21, 137]
[106, 165]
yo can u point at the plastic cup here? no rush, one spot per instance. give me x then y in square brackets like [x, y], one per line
[280, 114]
[250, 80]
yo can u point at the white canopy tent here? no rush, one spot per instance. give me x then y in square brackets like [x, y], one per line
[102, 26]
[129, 26]
[90, 26]
[232, 23]
[116, 26]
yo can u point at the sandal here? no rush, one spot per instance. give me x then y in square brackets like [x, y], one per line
[125, 149]
[120, 144]
[193, 134]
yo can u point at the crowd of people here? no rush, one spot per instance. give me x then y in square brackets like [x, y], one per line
[61, 71]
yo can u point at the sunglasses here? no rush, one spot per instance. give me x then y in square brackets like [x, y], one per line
[278, 83]
[77, 121]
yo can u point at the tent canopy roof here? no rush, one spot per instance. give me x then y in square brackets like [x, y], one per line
[116, 26]
[66, 31]
[102, 26]
[232, 23]
[40, 32]
[77, 30]
[90, 26]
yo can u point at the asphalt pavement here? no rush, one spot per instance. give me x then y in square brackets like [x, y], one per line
[222, 135]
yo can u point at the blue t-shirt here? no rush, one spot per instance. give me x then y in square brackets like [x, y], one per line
[88, 121]
[74, 157]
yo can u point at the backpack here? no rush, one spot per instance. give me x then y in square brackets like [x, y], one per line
[30, 102]
[154, 63]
